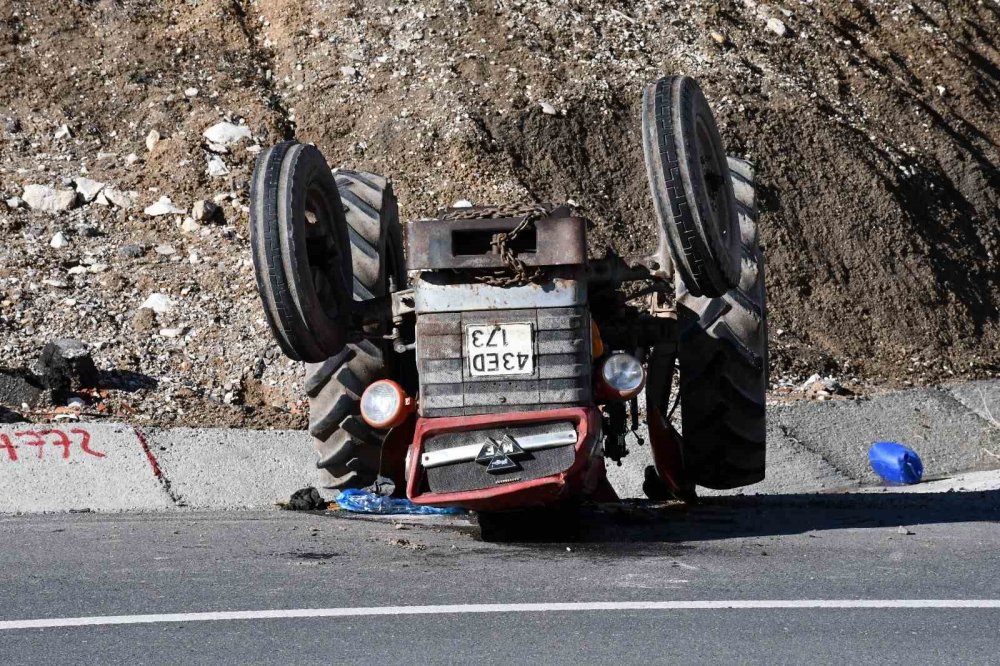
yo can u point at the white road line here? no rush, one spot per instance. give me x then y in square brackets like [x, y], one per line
[739, 604]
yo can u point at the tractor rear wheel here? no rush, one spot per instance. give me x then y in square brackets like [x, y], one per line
[722, 350]
[349, 449]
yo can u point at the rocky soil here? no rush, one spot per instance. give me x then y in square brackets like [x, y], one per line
[874, 126]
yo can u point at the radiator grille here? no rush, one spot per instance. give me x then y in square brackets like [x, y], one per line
[562, 363]
[471, 475]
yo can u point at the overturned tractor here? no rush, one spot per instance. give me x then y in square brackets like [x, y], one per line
[497, 367]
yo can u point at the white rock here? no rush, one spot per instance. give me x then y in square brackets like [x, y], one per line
[151, 139]
[58, 241]
[14, 203]
[216, 167]
[101, 200]
[548, 109]
[158, 303]
[942, 90]
[58, 284]
[194, 257]
[190, 92]
[171, 332]
[131, 159]
[120, 198]
[810, 381]
[163, 206]
[77, 270]
[98, 268]
[777, 26]
[189, 226]
[203, 210]
[217, 148]
[165, 250]
[88, 189]
[462, 203]
[349, 72]
[48, 199]
[227, 134]
[62, 133]
[76, 403]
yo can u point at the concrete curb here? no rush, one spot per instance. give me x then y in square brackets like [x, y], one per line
[76, 467]
[115, 467]
[812, 447]
[815, 446]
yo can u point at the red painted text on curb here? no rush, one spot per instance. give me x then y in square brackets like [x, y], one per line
[47, 444]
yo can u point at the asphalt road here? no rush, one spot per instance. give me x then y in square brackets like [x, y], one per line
[750, 549]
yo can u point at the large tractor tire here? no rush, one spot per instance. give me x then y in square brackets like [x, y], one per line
[349, 449]
[690, 183]
[299, 242]
[722, 349]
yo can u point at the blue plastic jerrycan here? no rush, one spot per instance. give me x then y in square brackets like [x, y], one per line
[895, 463]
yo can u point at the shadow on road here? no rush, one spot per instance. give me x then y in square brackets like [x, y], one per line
[759, 516]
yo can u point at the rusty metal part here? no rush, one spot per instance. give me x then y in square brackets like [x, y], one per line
[446, 291]
[509, 256]
[501, 241]
[402, 304]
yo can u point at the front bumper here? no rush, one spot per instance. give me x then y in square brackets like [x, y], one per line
[576, 471]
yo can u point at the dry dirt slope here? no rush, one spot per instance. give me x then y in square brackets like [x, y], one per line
[874, 126]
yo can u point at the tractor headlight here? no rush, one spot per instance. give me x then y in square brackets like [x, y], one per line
[385, 405]
[623, 374]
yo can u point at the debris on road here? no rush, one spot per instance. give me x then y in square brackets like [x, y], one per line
[305, 499]
[896, 463]
[364, 501]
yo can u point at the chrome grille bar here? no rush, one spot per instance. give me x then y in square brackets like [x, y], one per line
[468, 452]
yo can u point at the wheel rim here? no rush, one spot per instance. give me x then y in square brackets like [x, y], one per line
[324, 252]
[712, 171]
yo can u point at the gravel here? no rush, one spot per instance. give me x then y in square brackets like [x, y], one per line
[492, 103]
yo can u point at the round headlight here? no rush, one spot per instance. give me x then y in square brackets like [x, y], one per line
[623, 373]
[384, 404]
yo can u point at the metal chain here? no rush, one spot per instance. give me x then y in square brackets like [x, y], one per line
[516, 274]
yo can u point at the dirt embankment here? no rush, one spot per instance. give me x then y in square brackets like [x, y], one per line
[874, 126]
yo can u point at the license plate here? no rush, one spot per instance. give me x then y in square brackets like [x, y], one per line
[499, 349]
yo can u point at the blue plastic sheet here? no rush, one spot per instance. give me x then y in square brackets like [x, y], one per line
[365, 501]
[896, 463]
